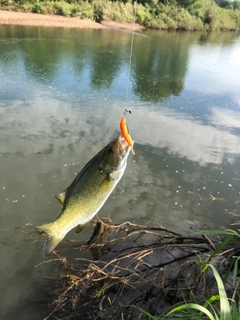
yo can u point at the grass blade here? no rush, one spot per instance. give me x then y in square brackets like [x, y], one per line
[235, 312]
[221, 246]
[235, 271]
[146, 313]
[224, 304]
[215, 233]
[193, 306]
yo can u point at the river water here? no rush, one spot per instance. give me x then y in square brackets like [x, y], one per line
[62, 94]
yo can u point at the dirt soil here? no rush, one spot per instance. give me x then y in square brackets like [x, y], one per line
[33, 19]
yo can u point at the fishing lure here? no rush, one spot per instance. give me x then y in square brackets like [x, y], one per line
[124, 130]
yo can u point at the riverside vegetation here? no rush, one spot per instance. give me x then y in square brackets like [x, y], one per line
[144, 272]
[205, 15]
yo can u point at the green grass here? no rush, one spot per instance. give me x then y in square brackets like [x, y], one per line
[227, 309]
[215, 307]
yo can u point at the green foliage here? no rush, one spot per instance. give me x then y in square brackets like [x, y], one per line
[225, 310]
[150, 317]
[37, 8]
[185, 21]
[185, 3]
[216, 307]
[220, 19]
[225, 4]
[143, 16]
[236, 5]
[118, 11]
[199, 8]
[160, 14]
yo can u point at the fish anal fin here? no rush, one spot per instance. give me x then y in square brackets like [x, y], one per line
[61, 197]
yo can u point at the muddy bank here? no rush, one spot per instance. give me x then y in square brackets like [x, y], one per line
[33, 19]
[149, 267]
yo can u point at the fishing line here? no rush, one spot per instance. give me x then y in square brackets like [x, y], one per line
[131, 48]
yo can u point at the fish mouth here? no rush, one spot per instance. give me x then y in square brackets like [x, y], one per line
[124, 144]
[121, 150]
[126, 148]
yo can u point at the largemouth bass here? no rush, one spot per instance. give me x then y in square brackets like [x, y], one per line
[88, 192]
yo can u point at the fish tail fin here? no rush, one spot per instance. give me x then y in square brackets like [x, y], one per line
[52, 240]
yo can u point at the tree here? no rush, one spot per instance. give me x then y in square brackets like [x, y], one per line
[227, 4]
[236, 5]
[185, 3]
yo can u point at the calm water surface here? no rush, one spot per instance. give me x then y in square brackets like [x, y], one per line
[62, 93]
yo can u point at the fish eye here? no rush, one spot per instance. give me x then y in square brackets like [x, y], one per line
[110, 150]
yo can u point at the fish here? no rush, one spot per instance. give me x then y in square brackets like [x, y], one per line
[87, 193]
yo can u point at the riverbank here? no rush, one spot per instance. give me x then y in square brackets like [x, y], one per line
[195, 15]
[42, 20]
[136, 267]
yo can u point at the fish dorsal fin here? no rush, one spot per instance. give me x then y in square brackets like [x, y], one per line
[61, 196]
[80, 228]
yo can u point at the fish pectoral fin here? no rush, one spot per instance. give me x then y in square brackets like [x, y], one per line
[80, 228]
[61, 197]
[113, 175]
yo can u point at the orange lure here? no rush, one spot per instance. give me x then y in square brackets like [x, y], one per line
[125, 133]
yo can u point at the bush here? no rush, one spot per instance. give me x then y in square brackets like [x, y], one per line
[47, 9]
[143, 16]
[168, 22]
[118, 11]
[36, 8]
[62, 8]
[198, 9]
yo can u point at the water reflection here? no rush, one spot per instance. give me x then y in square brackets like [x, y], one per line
[182, 135]
[160, 65]
[62, 94]
[226, 119]
[212, 75]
